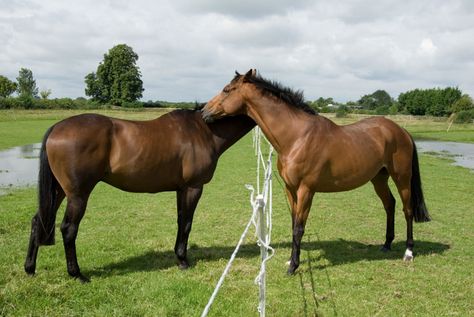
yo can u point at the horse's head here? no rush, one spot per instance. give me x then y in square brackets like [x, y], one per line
[229, 101]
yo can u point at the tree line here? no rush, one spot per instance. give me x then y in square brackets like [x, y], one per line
[117, 81]
[433, 102]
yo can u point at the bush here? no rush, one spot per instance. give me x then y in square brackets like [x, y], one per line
[324, 109]
[466, 116]
[152, 104]
[26, 102]
[382, 110]
[10, 103]
[393, 110]
[132, 104]
[342, 111]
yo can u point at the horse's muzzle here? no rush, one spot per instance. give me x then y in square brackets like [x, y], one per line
[207, 116]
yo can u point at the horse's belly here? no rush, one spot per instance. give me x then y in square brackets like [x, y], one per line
[337, 180]
[143, 184]
[339, 185]
[165, 178]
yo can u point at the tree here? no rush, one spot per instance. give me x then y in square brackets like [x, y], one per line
[26, 84]
[435, 102]
[117, 79]
[321, 104]
[462, 104]
[7, 87]
[45, 93]
[379, 98]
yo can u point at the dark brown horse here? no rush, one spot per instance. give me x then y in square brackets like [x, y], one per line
[316, 155]
[175, 152]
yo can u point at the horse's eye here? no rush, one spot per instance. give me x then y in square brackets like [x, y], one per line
[226, 89]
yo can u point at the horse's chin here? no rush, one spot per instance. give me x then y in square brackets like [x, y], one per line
[207, 116]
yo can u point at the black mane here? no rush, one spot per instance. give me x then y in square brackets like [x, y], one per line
[288, 95]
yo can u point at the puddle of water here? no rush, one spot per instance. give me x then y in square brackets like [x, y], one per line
[461, 153]
[19, 165]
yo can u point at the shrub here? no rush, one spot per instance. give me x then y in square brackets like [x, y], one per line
[382, 110]
[466, 116]
[10, 103]
[342, 111]
[132, 104]
[393, 110]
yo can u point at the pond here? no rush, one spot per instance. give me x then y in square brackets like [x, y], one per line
[19, 165]
[461, 153]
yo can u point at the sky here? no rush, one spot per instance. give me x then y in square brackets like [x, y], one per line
[189, 49]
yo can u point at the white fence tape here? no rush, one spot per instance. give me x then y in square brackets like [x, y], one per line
[261, 218]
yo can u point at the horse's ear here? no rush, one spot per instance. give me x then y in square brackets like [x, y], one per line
[251, 73]
[237, 73]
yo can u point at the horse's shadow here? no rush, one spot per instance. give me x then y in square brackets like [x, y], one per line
[321, 253]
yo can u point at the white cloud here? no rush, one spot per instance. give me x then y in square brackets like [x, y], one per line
[189, 49]
[427, 48]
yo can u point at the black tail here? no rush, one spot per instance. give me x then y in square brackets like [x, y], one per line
[47, 195]
[420, 212]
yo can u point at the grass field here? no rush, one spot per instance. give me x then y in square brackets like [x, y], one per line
[126, 241]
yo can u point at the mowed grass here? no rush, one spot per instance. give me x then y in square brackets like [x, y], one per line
[125, 245]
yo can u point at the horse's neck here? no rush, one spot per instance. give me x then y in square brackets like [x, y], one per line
[229, 130]
[282, 124]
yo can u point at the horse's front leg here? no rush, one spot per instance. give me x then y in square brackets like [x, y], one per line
[187, 200]
[300, 212]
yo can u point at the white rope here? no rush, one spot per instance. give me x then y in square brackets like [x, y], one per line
[227, 268]
[262, 206]
[261, 218]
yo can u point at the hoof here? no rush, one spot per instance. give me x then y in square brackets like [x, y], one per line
[183, 265]
[384, 249]
[83, 279]
[291, 269]
[30, 270]
[408, 257]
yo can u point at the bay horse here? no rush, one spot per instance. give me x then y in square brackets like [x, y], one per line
[316, 155]
[175, 152]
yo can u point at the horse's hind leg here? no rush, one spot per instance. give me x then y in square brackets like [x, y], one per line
[404, 190]
[76, 206]
[30, 262]
[187, 200]
[380, 182]
[402, 181]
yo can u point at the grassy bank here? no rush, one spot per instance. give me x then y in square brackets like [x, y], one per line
[126, 241]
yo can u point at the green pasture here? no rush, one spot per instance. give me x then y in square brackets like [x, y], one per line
[20, 127]
[125, 245]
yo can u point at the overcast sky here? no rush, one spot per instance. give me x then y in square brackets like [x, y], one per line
[188, 50]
